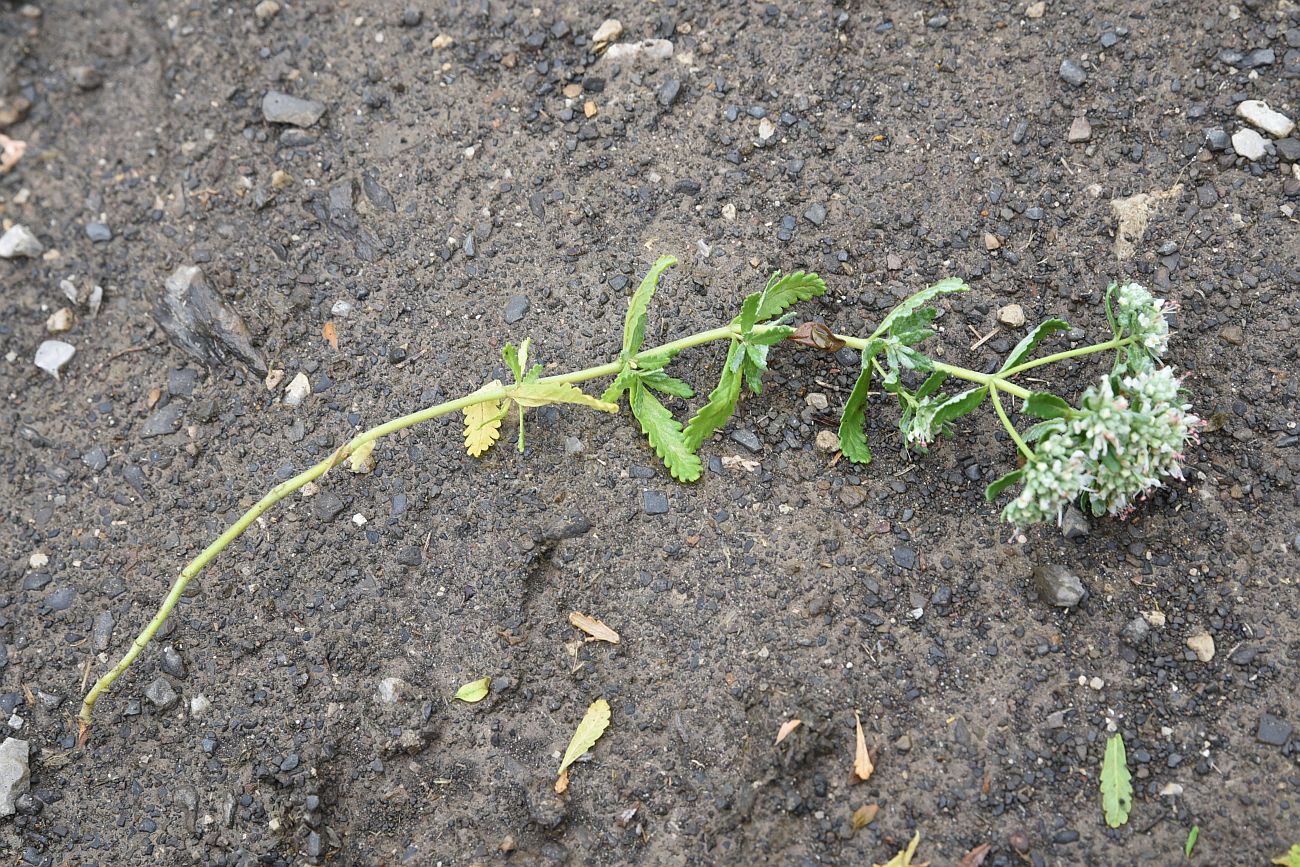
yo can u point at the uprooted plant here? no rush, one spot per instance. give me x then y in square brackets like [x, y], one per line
[1125, 435]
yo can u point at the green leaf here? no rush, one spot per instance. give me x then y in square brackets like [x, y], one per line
[720, 406]
[914, 302]
[914, 327]
[1192, 836]
[769, 336]
[749, 312]
[516, 358]
[1116, 783]
[661, 381]
[1011, 478]
[634, 324]
[474, 691]
[545, 393]
[1042, 429]
[665, 434]
[959, 404]
[853, 435]
[1043, 404]
[593, 725]
[1031, 340]
[1291, 858]
[788, 291]
[913, 360]
[931, 384]
[1110, 308]
[754, 365]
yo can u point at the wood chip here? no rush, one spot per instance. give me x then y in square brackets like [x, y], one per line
[786, 727]
[593, 627]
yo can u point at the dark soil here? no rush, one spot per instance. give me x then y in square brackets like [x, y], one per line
[903, 134]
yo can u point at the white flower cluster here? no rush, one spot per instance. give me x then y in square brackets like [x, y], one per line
[1141, 315]
[1126, 436]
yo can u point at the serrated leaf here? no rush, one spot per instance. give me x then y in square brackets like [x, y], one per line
[788, 291]
[853, 434]
[749, 312]
[593, 725]
[360, 460]
[1043, 404]
[904, 857]
[914, 327]
[754, 365]
[634, 323]
[862, 766]
[593, 627]
[997, 487]
[784, 731]
[913, 360]
[1116, 783]
[958, 405]
[483, 422]
[931, 384]
[1042, 429]
[721, 404]
[918, 300]
[474, 691]
[517, 357]
[1031, 340]
[660, 381]
[665, 434]
[770, 335]
[1192, 836]
[622, 382]
[1291, 858]
[546, 393]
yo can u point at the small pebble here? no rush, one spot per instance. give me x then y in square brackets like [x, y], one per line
[1012, 315]
[828, 441]
[609, 30]
[282, 108]
[1072, 73]
[517, 308]
[1080, 130]
[748, 439]
[99, 233]
[654, 503]
[53, 355]
[19, 242]
[161, 694]
[60, 320]
[816, 214]
[297, 390]
[1202, 644]
[86, 77]
[1058, 585]
[1273, 730]
[1249, 144]
[1258, 114]
[1036, 10]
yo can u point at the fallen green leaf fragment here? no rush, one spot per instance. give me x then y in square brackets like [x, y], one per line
[474, 691]
[1116, 783]
[904, 857]
[593, 725]
[1192, 836]
[1291, 858]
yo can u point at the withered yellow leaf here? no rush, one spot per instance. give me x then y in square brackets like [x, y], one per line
[544, 393]
[904, 858]
[593, 725]
[593, 627]
[483, 422]
[474, 691]
[864, 816]
[862, 766]
[360, 461]
[786, 727]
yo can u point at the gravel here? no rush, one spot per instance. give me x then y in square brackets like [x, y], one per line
[280, 107]
[53, 355]
[15, 776]
[1273, 730]
[517, 308]
[161, 694]
[18, 242]
[1058, 585]
[1258, 114]
[1249, 144]
[654, 503]
[1072, 73]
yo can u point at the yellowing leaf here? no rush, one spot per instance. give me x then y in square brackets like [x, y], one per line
[1116, 783]
[864, 816]
[1291, 858]
[862, 766]
[360, 461]
[474, 691]
[904, 858]
[593, 725]
[786, 727]
[593, 627]
[483, 422]
[545, 393]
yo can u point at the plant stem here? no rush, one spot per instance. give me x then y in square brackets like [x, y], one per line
[995, 382]
[994, 388]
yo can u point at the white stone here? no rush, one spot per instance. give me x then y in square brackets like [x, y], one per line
[766, 129]
[266, 10]
[19, 241]
[1257, 113]
[1036, 10]
[199, 705]
[1202, 644]
[609, 30]
[390, 690]
[1249, 144]
[341, 308]
[297, 390]
[52, 355]
[648, 49]
[38, 560]
[15, 777]
[728, 211]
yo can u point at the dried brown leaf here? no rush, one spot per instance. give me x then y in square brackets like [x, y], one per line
[862, 766]
[562, 783]
[976, 856]
[814, 335]
[331, 335]
[864, 816]
[593, 627]
[786, 727]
